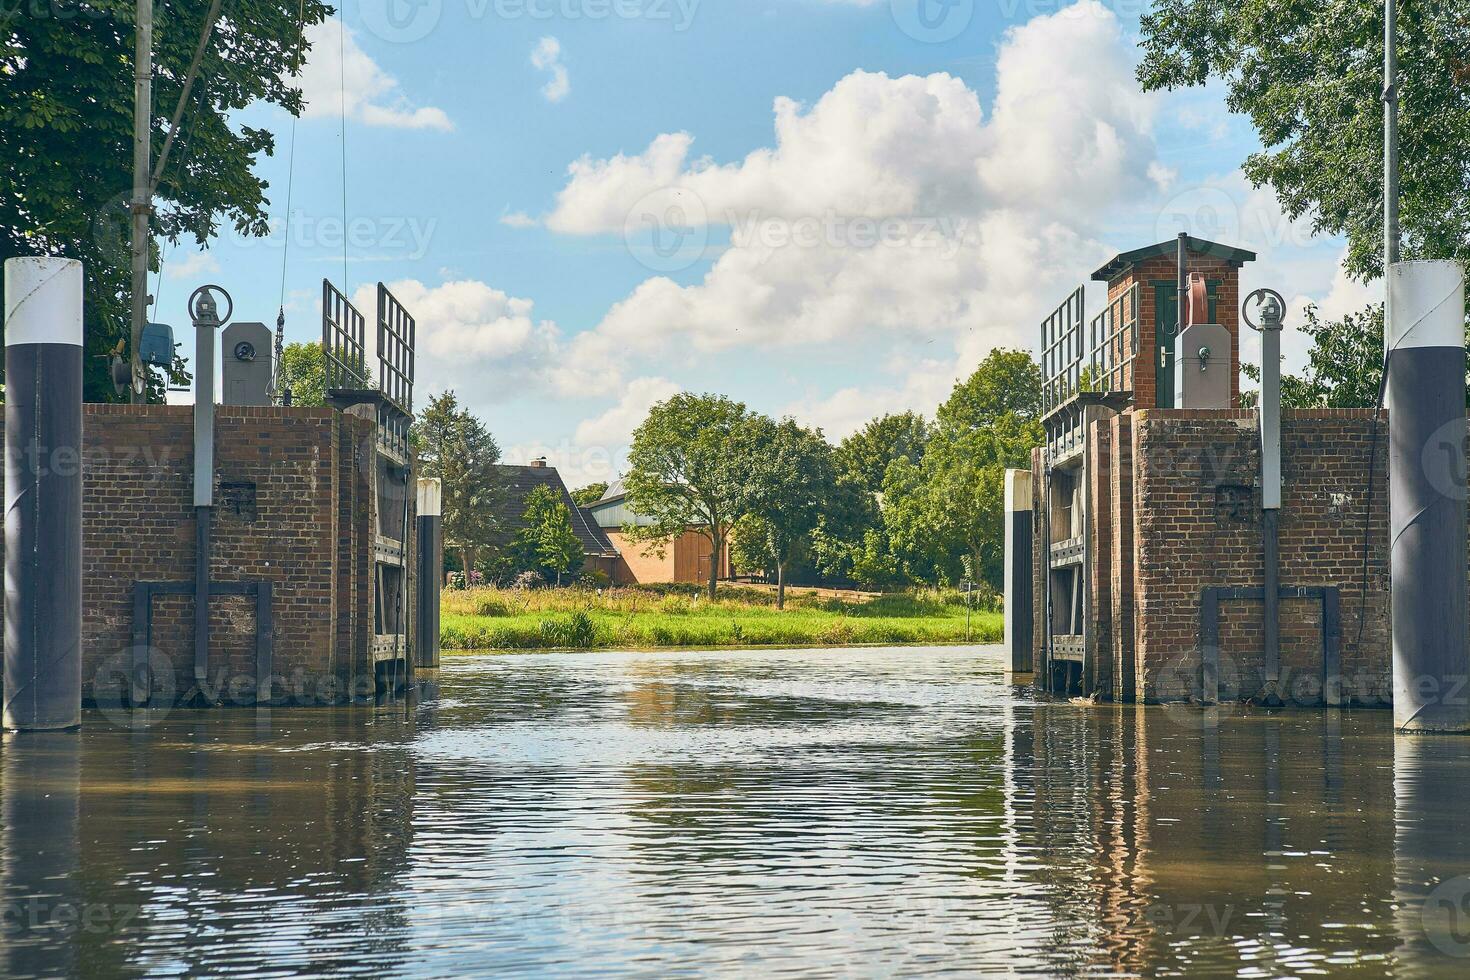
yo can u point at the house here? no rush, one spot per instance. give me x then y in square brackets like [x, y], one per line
[685, 559]
[597, 550]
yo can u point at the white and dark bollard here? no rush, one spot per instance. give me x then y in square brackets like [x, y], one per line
[1425, 339]
[430, 573]
[43, 493]
[1019, 617]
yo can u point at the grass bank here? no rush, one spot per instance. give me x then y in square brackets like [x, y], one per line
[644, 617]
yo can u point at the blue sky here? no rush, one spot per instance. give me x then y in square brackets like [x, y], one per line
[827, 208]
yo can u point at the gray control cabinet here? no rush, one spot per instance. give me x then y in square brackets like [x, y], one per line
[247, 358]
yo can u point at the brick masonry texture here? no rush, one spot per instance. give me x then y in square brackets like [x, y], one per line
[294, 506]
[1174, 506]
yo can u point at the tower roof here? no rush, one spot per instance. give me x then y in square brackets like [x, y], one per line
[1199, 246]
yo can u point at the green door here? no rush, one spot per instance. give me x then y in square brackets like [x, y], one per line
[1166, 322]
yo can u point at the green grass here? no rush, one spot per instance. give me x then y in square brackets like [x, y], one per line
[679, 616]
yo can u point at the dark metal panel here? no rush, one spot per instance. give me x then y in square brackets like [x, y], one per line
[343, 341]
[43, 536]
[265, 641]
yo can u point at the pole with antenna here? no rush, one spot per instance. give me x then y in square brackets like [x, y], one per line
[142, 198]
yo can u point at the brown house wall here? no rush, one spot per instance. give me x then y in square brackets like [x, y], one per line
[685, 559]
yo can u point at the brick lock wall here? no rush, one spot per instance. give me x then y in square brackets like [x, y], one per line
[1196, 512]
[290, 507]
[1120, 568]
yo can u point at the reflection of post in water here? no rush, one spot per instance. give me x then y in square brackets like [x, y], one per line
[1430, 859]
[1122, 816]
[42, 907]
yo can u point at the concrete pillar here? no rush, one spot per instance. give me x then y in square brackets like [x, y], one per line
[430, 573]
[1425, 340]
[43, 493]
[1019, 612]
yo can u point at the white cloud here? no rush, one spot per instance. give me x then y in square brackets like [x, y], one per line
[483, 342]
[518, 219]
[546, 56]
[614, 428]
[891, 210]
[190, 266]
[337, 69]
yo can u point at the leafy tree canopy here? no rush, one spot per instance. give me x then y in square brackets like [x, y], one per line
[864, 456]
[547, 543]
[590, 494]
[455, 447]
[788, 479]
[304, 372]
[1310, 76]
[685, 471]
[1007, 382]
[66, 127]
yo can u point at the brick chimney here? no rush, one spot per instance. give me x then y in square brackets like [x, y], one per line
[539, 463]
[1154, 272]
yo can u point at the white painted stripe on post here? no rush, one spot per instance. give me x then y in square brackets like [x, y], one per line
[1426, 303]
[430, 493]
[43, 301]
[1018, 491]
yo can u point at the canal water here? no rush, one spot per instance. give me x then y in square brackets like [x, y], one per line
[839, 813]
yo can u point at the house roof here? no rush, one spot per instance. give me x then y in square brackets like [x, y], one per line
[519, 481]
[1199, 246]
[613, 493]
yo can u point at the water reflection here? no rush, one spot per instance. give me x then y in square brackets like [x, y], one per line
[836, 812]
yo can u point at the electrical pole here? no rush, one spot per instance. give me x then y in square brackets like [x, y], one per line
[142, 198]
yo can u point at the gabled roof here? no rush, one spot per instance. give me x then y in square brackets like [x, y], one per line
[1200, 246]
[613, 493]
[519, 481]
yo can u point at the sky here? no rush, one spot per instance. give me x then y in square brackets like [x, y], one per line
[829, 209]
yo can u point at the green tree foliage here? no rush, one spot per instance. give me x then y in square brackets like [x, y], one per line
[456, 448]
[684, 472]
[304, 372]
[943, 516]
[590, 494]
[789, 476]
[864, 456]
[1344, 365]
[1310, 76]
[547, 544]
[66, 111]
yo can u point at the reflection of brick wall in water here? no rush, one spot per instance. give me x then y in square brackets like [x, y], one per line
[292, 507]
[1175, 509]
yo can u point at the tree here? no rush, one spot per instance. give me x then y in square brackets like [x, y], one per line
[865, 455]
[1310, 76]
[943, 516]
[1007, 382]
[304, 372]
[66, 111]
[547, 542]
[1344, 365]
[455, 447]
[684, 472]
[789, 478]
[589, 495]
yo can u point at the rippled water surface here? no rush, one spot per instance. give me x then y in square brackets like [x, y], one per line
[823, 812]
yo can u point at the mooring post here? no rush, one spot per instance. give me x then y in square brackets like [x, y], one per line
[43, 493]
[1019, 611]
[1424, 337]
[430, 573]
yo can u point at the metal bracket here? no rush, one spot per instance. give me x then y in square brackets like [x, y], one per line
[143, 593]
[1209, 635]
